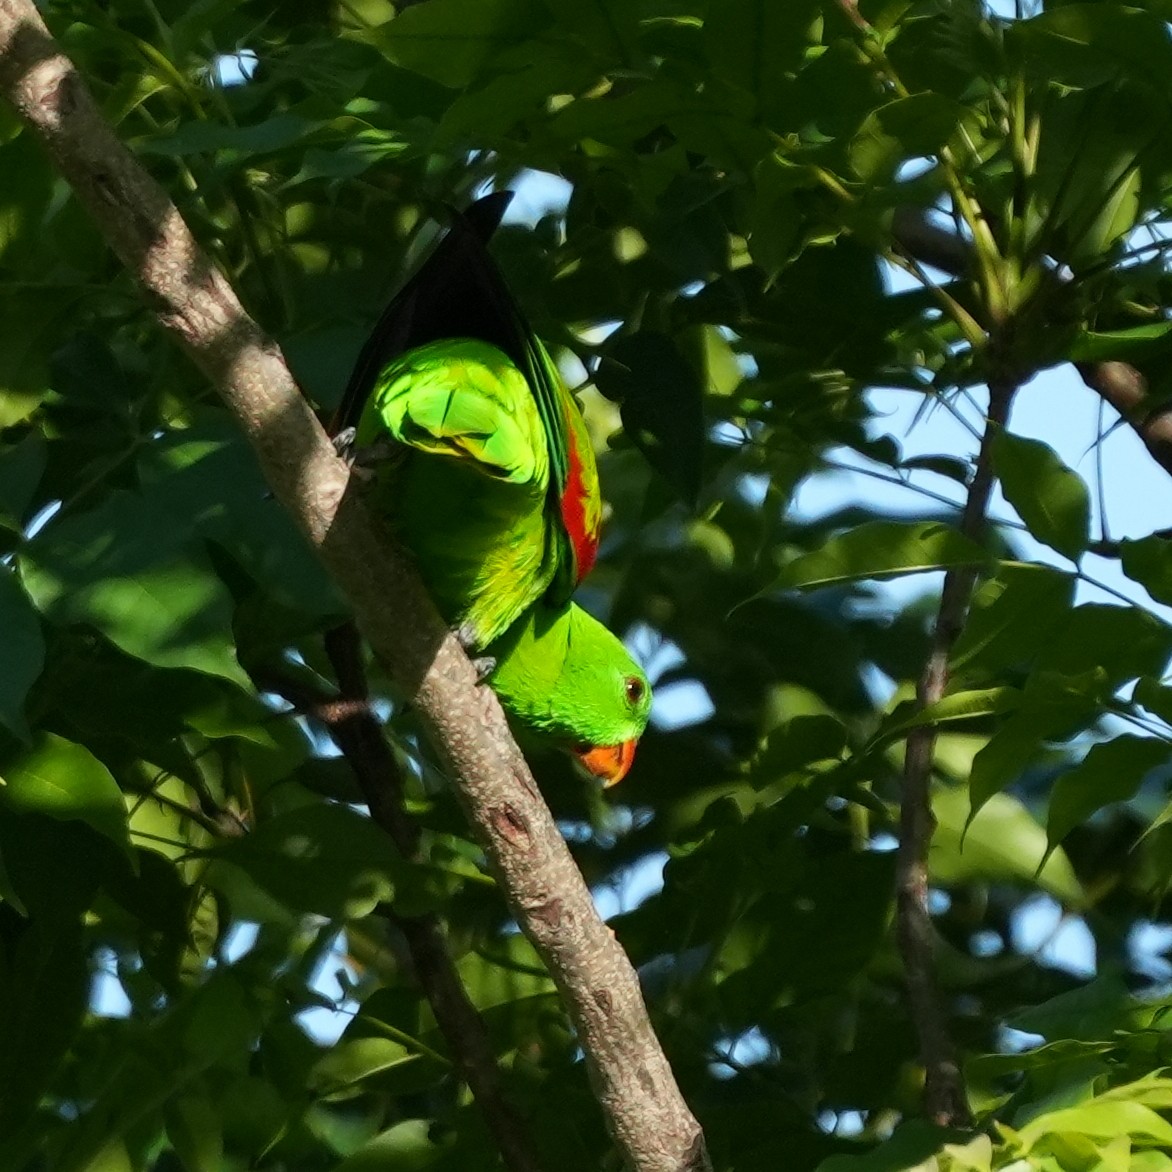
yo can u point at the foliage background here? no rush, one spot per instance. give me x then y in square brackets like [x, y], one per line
[735, 171]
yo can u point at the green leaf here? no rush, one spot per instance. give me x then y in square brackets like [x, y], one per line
[1138, 344]
[911, 1146]
[208, 474]
[1100, 1119]
[24, 201]
[661, 405]
[21, 467]
[44, 986]
[966, 705]
[28, 319]
[1110, 772]
[1004, 844]
[66, 781]
[801, 741]
[451, 41]
[906, 128]
[195, 1130]
[882, 549]
[1148, 561]
[206, 137]
[318, 858]
[405, 1148]
[1119, 642]
[1097, 1010]
[380, 1064]
[128, 569]
[219, 1020]
[1153, 1090]
[1087, 44]
[1011, 617]
[951, 467]
[1154, 696]
[776, 233]
[753, 43]
[1052, 704]
[609, 28]
[1050, 498]
[22, 651]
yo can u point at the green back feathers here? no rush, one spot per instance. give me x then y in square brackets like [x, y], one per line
[465, 399]
[467, 492]
[459, 293]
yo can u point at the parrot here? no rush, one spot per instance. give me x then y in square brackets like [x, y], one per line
[479, 458]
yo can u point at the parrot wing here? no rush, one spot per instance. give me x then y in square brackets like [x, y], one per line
[459, 292]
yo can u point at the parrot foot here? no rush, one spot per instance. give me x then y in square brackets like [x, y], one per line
[364, 462]
[466, 636]
[485, 665]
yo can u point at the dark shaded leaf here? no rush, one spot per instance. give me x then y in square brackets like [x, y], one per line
[318, 858]
[22, 651]
[661, 405]
[451, 41]
[1110, 772]
[127, 569]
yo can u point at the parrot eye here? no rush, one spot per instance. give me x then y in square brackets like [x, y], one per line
[634, 688]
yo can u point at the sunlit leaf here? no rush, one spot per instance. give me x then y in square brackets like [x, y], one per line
[903, 129]
[882, 549]
[127, 569]
[1004, 843]
[64, 780]
[1050, 498]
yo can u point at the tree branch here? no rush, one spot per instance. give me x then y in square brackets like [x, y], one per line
[1126, 389]
[358, 734]
[1118, 383]
[632, 1080]
[944, 1094]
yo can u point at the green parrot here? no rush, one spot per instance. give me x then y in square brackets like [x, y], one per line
[481, 461]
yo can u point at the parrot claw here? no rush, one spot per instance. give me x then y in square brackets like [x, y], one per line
[363, 462]
[344, 443]
[466, 636]
[485, 665]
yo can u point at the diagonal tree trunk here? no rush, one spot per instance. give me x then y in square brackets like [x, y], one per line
[644, 1110]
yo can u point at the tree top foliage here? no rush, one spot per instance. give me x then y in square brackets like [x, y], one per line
[769, 210]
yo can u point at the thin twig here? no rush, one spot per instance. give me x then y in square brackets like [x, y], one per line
[944, 1094]
[357, 732]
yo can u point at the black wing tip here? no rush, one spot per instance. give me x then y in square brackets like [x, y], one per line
[468, 234]
[484, 215]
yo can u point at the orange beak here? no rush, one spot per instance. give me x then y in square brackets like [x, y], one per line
[607, 762]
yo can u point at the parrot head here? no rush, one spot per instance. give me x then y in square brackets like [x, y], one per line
[563, 676]
[610, 763]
